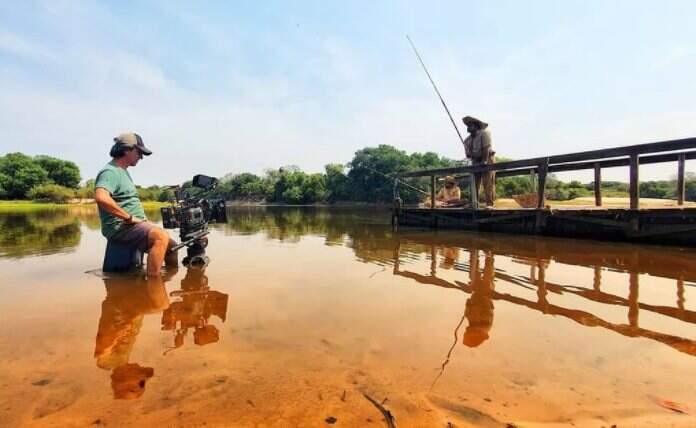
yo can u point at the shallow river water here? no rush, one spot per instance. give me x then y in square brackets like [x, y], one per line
[303, 314]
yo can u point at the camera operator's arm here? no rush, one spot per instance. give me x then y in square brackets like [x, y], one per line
[104, 200]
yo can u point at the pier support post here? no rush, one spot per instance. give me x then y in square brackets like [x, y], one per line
[473, 191]
[680, 178]
[598, 184]
[634, 186]
[543, 169]
[432, 192]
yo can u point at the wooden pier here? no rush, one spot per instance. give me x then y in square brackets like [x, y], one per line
[671, 226]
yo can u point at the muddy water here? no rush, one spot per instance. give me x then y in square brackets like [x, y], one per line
[301, 313]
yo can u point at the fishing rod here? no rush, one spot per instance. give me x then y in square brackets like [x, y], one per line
[435, 87]
[398, 179]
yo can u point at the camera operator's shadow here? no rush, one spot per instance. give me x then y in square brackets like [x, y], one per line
[128, 299]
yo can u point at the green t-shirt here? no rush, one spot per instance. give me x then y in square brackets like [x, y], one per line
[119, 183]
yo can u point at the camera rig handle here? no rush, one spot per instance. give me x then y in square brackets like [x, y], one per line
[191, 240]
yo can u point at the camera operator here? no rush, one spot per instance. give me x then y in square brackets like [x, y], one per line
[122, 216]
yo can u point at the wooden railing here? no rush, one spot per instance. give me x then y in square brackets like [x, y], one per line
[632, 156]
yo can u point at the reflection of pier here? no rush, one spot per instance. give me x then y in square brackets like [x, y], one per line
[538, 254]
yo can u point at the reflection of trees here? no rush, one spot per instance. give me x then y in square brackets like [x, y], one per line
[43, 232]
[289, 224]
[49, 231]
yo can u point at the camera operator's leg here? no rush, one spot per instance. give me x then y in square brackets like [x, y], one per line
[171, 258]
[158, 244]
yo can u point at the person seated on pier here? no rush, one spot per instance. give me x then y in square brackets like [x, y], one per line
[450, 195]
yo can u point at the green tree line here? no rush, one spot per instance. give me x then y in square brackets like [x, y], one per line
[367, 178]
[45, 178]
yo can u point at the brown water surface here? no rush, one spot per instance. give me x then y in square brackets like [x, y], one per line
[302, 313]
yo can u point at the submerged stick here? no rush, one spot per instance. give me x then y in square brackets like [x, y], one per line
[449, 353]
[388, 417]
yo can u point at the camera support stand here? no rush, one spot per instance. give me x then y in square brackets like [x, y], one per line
[195, 254]
[195, 249]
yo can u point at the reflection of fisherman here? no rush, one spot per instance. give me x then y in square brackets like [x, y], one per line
[128, 300]
[450, 256]
[479, 307]
[478, 148]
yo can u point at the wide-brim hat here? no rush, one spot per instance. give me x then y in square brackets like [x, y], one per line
[470, 120]
[131, 139]
[450, 179]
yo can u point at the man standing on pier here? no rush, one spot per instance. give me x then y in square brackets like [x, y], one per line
[478, 148]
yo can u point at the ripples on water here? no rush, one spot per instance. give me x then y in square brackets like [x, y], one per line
[302, 311]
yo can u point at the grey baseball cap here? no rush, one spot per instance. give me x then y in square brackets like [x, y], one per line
[131, 139]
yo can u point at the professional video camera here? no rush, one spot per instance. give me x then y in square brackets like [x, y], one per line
[191, 214]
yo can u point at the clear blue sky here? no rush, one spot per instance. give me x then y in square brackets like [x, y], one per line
[219, 87]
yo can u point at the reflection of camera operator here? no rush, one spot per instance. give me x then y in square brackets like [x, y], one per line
[122, 216]
[127, 301]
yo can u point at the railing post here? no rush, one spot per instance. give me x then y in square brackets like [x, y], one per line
[543, 169]
[432, 192]
[680, 178]
[634, 186]
[473, 191]
[597, 184]
[396, 206]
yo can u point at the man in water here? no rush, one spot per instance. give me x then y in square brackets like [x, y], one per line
[122, 216]
[478, 148]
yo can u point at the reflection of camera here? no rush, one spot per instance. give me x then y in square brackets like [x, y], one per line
[194, 305]
[191, 214]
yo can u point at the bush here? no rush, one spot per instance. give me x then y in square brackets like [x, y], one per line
[18, 174]
[51, 193]
[166, 196]
[86, 191]
[60, 171]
